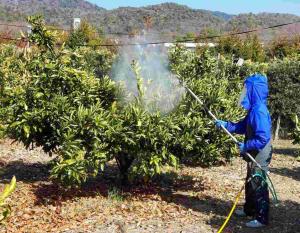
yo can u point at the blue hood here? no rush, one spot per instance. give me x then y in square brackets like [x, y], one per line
[257, 125]
[257, 91]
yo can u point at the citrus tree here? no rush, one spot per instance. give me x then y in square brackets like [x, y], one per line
[50, 99]
[218, 84]
[284, 84]
[62, 105]
[296, 132]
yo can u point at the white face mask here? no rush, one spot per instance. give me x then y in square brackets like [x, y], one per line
[242, 96]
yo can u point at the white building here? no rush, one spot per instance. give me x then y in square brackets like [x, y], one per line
[191, 46]
[76, 23]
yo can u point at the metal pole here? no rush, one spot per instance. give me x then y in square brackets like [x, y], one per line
[29, 31]
[215, 118]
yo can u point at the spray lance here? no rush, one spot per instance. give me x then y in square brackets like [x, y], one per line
[215, 119]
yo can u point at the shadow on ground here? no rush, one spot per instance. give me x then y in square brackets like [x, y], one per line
[284, 218]
[172, 188]
[293, 173]
[294, 152]
[103, 184]
[25, 172]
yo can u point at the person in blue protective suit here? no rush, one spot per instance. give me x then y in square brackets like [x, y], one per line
[256, 127]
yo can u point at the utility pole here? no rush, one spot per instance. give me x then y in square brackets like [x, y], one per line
[29, 30]
[148, 22]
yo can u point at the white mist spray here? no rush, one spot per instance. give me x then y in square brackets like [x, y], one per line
[162, 91]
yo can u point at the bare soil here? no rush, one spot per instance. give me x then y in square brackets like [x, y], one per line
[189, 199]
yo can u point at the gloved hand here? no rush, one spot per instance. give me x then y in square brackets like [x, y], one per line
[220, 123]
[242, 147]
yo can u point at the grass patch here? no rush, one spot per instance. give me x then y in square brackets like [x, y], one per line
[115, 194]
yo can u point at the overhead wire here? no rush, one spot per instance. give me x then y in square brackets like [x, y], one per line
[13, 39]
[53, 28]
[13, 25]
[190, 39]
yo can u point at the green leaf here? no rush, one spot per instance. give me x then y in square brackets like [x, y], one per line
[8, 189]
[38, 95]
[139, 123]
[26, 130]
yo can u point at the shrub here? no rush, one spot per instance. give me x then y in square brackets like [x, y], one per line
[252, 49]
[229, 45]
[284, 46]
[296, 132]
[284, 86]
[248, 48]
[97, 61]
[62, 107]
[58, 104]
[218, 84]
[141, 138]
[86, 34]
[13, 77]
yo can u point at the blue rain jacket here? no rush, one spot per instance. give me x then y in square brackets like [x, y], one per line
[257, 124]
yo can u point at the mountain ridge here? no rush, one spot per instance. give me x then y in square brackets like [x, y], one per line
[165, 17]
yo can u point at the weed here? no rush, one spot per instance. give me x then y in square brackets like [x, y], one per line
[115, 194]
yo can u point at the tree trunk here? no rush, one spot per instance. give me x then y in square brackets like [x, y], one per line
[124, 162]
[276, 136]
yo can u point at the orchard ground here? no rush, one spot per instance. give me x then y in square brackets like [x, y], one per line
[189, 199]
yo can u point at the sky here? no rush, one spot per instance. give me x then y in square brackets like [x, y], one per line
[227, 6]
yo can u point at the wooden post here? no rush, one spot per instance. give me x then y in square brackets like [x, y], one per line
[276, 136]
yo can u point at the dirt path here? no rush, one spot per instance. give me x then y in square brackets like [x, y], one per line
[190, 200]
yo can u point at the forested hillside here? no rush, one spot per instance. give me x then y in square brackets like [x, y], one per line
[163, 18]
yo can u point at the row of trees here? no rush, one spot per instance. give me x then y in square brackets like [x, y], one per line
[252, 48]
[54, 97]
[278, 59]
[63, 99]
[284, 81]
[249, 46]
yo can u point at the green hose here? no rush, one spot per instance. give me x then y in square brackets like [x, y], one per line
[270, 185]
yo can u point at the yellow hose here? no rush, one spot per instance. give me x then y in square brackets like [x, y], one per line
[232, 209]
